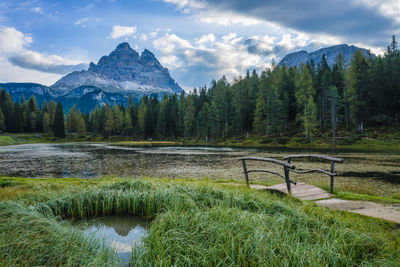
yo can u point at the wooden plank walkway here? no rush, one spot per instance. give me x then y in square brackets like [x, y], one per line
[300, 190]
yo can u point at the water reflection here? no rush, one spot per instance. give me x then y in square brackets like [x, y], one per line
[85, 160]
[122, 233]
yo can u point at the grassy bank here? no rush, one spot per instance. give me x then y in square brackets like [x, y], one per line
[6, 141]
[388, 142]
[193, 223]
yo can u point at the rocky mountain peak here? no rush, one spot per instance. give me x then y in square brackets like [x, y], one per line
[123, 47]
[149, 59]
[123, 70]
[331, 53]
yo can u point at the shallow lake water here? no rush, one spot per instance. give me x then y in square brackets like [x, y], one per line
[122, 233]
[378, 172]
[84, 160]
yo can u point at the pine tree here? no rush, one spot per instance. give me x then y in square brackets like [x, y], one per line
[143, 118]
[46, 122]
[260, 115]
[118, 119]
[58, 126]
[189, 118]
[127, 123]
[81, 127]
[310, 119]
[358, 89]
[213, 121]
[72, 120]
[334, 100]
[2, 122]
[109, 126]
[306, 93]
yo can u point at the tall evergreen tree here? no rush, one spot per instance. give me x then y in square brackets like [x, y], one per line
[58, 127]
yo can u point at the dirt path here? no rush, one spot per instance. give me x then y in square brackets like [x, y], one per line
[389, 212]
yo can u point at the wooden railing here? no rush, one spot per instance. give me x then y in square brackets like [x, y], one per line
[287, 166]
[332, 173]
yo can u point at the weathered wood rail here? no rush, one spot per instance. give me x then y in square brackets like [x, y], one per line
[332, 160]
[288, 166]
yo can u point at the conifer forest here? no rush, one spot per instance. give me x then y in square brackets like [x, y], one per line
[312, 100]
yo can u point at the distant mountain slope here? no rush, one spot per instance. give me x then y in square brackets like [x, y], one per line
[123, 71]
[86, 98]
[41, 92]
[297, 58]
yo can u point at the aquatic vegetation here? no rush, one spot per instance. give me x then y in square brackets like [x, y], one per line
[194, 223]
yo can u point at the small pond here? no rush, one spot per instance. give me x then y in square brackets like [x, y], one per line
[122, 232]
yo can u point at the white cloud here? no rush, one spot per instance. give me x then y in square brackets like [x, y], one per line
[123, 31]
[84, 21]
[390, 8]
[209, 56]
[12, 73]
[187, 3]
[206, 38]
[226, 18]
[211, 16]
[144, 37]
[38, 10]
[226, 55]
[12, 40]
[15, 52]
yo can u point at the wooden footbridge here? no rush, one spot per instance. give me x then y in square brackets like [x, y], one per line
[291, 187]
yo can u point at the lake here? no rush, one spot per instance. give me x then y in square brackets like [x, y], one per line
[93, 160]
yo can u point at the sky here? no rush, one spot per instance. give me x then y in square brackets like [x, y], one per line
[197, 40]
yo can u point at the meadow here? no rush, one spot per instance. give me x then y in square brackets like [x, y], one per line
[193, 222]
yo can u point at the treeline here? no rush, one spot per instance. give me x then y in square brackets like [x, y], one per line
[310, 100]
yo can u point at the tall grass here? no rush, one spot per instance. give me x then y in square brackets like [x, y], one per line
[197, 225]
[29, 238]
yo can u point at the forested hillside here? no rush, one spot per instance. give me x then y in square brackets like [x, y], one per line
[307, 101]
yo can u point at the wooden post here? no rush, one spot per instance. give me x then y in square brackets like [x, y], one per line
[332, 176]
[245, 172]
[287, 180]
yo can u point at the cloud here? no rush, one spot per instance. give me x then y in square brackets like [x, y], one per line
[13, 40]
[38, 10]
[13, 73]
[13, 49]
[208, 56]
[123, 31]
[46, 63]
[83, 22]
[370, 21]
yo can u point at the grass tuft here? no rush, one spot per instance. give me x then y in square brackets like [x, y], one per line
[194, 224]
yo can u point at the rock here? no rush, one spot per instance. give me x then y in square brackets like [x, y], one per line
[123, 71]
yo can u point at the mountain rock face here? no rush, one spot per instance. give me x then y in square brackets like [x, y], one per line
[123, 71]
[41, 92]
[297, 58]
[86, 98]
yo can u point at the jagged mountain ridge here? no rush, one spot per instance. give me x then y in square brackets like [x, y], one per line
[123, 71]
[297, 58]
[41, 92]
[86, 98]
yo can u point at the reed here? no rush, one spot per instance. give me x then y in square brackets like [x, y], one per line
[196, 224]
